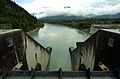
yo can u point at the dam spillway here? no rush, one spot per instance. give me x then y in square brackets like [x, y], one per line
[60, 38]
[79, 58]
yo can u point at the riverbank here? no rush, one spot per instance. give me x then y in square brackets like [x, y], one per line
[83, 24]
[86, 29]
[31, 31]
[79, 24]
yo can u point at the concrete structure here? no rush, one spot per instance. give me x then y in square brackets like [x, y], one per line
[18, 51]
[98, 57]
[56, 75]
[111, 27]
[75, 56]
[100, 52]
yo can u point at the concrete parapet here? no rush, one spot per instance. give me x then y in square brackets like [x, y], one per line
[103, 46]
[17, 46]
[57, 75]
[75, 56]
[110, 27]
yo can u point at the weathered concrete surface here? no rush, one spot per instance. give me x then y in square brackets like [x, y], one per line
[11, 49]
[16, 46]
[35, 53]
[75, 56]
[56, 75]
[103, 46]
[110, 27]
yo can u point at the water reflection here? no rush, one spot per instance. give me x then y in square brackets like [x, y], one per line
[60, 38]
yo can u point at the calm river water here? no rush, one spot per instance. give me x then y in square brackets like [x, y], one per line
[60, 38]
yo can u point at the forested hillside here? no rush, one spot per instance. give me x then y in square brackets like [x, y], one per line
[11, 13]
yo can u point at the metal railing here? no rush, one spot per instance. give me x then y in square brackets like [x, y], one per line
[61, 74]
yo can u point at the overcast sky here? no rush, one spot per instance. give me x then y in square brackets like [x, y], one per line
[70, 7]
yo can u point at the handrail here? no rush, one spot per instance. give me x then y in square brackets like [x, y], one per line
[32, 74]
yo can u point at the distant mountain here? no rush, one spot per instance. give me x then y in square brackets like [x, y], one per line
[109, 16]
[72, 17]
[62, 17]
[90, 16]
[11, 13]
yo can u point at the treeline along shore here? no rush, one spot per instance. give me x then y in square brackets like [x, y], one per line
[84, 23]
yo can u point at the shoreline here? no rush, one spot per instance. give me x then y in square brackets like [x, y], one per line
[32, 30]
[87, 30]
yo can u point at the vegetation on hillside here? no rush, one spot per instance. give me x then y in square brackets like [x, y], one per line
[11, 13]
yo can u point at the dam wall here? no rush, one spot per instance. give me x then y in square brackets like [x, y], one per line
[18, 51]
[112, 27]
[75, 56]
[99, 52]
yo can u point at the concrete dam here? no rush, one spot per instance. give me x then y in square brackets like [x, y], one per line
[16, 47]
[22, 57]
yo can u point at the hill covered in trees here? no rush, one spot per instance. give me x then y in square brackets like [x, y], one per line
[11, 13]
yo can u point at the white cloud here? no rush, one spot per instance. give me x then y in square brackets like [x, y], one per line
[78, 7]
[106, 9]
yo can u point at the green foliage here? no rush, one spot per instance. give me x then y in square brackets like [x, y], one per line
[11, 13]
[85, 23]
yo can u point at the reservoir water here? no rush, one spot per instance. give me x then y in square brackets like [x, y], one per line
[60, 38]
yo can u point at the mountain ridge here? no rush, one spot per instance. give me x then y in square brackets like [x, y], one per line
[73, 17]
[18, 17]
